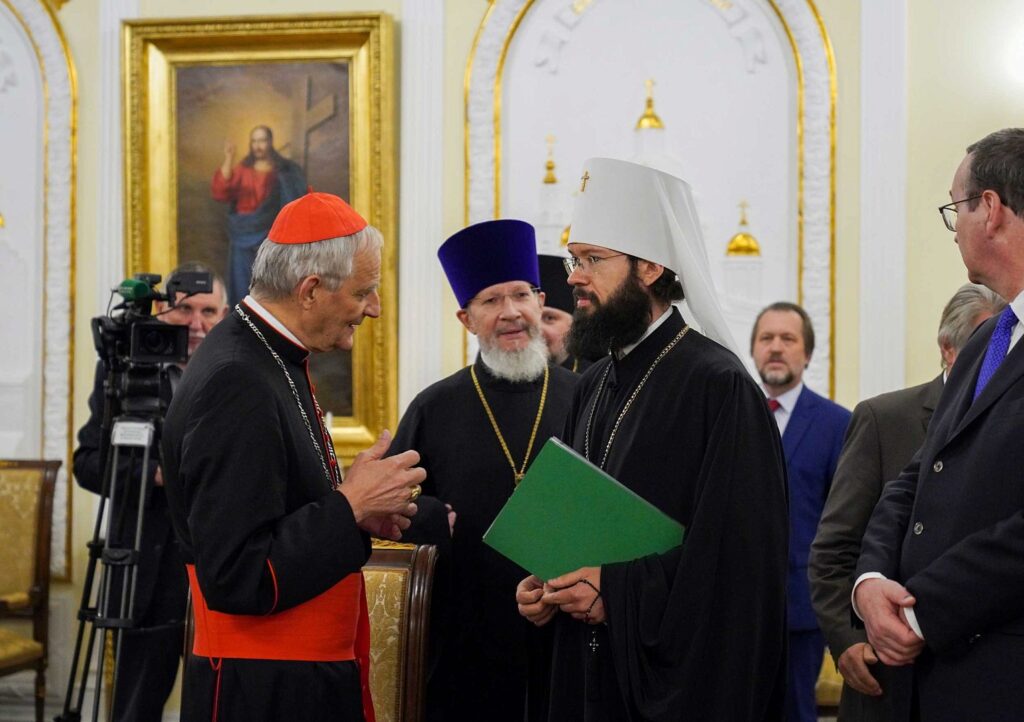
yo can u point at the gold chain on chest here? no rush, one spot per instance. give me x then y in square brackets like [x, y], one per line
[629, 401]
[521, 472]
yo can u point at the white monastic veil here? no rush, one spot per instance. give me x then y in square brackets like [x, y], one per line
[650, 214]
[693, 268]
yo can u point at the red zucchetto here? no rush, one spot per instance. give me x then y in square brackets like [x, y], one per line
[315, 217]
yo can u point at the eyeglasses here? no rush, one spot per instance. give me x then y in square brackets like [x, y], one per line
[588, 264]
[948, 211]
[493, 302]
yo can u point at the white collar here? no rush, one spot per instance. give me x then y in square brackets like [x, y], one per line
[650, 329]
[787, 400]
[272, 321]
[1017, 305]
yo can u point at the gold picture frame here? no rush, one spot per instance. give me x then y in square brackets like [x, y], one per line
[180, 74]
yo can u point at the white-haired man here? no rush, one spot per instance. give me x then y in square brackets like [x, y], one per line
[273, 537]
[477, 431]
[700, 631]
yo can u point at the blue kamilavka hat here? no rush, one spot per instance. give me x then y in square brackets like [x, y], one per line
[488, 253]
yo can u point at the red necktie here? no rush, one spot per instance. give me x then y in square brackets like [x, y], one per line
[774, 405]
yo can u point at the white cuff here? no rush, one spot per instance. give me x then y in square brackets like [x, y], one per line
[908, 612]
[853, 594]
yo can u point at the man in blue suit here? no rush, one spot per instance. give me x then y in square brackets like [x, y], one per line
[812, 429]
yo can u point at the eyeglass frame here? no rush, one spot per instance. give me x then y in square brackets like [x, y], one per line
[572, 263]
[952, 208]
[499, 299]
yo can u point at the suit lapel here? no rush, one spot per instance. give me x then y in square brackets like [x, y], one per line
[799, 422]
[1006, 375]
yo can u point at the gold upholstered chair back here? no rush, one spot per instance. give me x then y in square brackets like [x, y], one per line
[26, 513]
[399, 583]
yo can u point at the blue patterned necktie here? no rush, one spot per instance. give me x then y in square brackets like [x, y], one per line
[998, 345]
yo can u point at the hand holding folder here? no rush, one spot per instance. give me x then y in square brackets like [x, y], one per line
[567, 513]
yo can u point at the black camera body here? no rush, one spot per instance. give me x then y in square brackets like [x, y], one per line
[137, 347]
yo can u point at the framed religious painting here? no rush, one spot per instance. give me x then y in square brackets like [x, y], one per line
[229, 119]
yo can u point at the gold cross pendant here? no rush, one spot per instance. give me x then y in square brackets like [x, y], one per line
[584, 178]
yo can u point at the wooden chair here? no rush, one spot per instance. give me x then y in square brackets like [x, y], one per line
[399, 583]
[26, 515]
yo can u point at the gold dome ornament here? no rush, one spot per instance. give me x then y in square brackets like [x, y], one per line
[549, 165]
[743, 243]
[649, 119]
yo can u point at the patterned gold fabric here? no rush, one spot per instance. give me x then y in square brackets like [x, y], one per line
[16, 650]
[19, 502]
[830, 683]
[15, 600]
[386, 600]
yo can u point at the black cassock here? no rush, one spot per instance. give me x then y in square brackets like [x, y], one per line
[697, 633]
[485, 654]
[256, 514]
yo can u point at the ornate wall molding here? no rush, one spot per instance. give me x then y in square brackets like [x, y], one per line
[815, 132]
[57, 73]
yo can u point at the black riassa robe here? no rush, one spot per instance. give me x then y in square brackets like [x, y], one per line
[487, 655]
[576, 364]
[256, 514]
[697, 633]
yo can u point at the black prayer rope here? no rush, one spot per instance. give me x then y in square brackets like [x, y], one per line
[597, 595]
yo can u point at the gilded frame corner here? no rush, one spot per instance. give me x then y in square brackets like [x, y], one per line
[152, 52]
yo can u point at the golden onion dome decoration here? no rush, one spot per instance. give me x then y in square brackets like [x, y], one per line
[549, 165]
[743, 243]
[649, 119]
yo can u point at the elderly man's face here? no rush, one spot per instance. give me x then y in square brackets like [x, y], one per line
[336, 314]
[200, 312]
[504, 316]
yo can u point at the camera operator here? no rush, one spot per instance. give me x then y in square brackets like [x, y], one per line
[150, 652]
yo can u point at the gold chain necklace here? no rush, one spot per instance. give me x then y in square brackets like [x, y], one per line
[629, 401]
[520, 473]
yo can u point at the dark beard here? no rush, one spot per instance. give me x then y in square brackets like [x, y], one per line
[612, 325]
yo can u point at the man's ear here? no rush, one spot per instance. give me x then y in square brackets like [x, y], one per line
[541, 297]
[464, 318]
[308, 288]
[648, 271]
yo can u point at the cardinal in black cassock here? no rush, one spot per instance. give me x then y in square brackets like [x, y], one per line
[698, 632]
[274, 545]
[487, 659]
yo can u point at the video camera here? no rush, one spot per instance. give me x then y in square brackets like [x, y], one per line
[135, 346]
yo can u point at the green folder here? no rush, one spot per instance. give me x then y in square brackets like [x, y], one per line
[567, 513]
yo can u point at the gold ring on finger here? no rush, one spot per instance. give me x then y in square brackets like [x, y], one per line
[414, 492]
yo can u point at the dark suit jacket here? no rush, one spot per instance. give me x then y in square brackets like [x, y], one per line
[951, 529]
[812, 442]
[883, 435]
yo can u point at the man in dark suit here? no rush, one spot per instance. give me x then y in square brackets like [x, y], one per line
[812, 430]
[940, 582]
[150, 653]
[883, 435]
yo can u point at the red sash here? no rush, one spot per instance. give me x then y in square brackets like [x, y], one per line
[331, 627]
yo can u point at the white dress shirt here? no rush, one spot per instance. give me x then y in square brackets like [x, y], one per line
[787, 401]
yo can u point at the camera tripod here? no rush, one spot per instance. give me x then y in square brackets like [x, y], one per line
[115, 544]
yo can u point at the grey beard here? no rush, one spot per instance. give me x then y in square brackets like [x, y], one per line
[525, 364]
